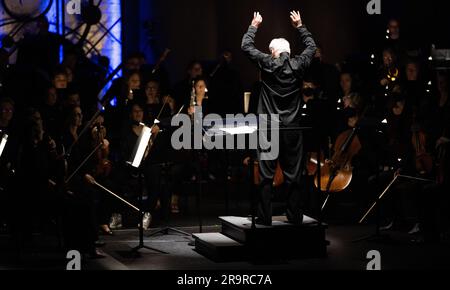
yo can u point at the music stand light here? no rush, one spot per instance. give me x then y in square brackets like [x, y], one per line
[3, 142]
[141, 146]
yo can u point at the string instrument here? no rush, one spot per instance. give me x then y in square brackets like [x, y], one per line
[312, 160]
[424, 161]
[278, 178]
[336, 174]
[151, 142]
[103, 165]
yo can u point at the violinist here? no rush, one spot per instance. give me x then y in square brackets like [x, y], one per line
[130, 133]
[79, 226]
[158, 167]
[124, 92]
[33, 204]
[9, 159]
[441, 106]
[434, 201]
[101, 168]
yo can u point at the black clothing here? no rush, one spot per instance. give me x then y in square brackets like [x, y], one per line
[280, 94]
[281, 77]
[226, 92]
[52, 118]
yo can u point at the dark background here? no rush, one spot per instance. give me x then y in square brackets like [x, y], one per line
[201, 29]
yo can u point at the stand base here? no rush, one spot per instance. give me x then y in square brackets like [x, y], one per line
[165, 231]
[136, 249]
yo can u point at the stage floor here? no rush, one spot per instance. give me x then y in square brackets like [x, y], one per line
[343, 253]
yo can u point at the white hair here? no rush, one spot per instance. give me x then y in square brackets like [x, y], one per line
[280, 45]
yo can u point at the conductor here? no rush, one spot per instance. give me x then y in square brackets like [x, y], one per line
[281, 76]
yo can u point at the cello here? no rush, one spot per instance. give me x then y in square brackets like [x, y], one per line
[336, 173]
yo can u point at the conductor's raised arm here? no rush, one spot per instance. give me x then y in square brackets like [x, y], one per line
[305, 58]
[248, 41]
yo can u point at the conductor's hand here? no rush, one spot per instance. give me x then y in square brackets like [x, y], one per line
[296, 19]
[257, 19]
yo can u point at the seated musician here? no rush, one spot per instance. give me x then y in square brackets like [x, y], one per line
[434, 202]
[158, 164]
[398, 207]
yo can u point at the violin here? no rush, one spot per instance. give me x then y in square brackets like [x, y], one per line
[103, 165]
[155, 128]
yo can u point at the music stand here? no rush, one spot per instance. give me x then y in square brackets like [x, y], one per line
[244, 126]
[377, 235]
[234, 127]
[135, 161]
[165, 167]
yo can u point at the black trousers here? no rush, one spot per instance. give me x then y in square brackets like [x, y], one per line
[290, 158]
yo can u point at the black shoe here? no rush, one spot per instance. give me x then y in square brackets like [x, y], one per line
[264, 222]
[296, 219]
[99, 244]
